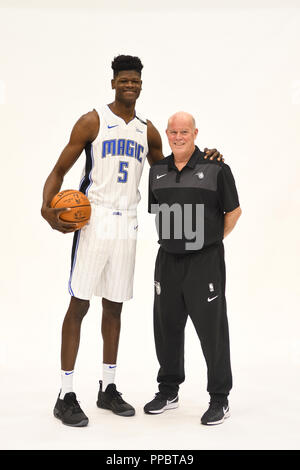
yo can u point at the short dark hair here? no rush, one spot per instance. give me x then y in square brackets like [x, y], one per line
[126, 62]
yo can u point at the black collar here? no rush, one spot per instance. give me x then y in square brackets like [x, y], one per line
[191, 163]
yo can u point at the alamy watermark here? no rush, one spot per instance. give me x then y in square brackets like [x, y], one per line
[176, 222]
[182, 226]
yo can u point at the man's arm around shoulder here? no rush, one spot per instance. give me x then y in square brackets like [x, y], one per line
[154, 144]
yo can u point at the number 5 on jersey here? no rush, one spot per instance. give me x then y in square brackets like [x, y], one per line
[124, 173]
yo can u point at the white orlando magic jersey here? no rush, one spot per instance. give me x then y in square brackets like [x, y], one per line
[114, 162]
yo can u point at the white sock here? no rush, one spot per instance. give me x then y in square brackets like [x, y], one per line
[109, 372]
[66, 382]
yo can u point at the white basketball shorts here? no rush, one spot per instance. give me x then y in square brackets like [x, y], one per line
[103, 256]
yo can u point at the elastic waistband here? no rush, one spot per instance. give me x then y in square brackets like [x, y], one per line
[112, 211]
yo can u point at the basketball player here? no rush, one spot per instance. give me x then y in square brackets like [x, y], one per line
[116, 141]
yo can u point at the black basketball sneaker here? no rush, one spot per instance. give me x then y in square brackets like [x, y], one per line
[112, 400]
[69, 412]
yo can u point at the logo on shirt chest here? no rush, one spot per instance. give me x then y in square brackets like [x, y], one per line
[200, 175]
[160, 176]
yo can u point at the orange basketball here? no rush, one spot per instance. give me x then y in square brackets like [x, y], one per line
[80, 212]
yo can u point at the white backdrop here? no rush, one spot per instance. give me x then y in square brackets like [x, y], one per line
[235, 66]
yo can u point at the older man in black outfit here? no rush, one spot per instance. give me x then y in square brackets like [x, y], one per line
[197, 205]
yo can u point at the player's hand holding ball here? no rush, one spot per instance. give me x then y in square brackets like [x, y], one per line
[70, 210]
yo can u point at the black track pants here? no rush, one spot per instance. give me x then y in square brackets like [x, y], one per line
[194, 285]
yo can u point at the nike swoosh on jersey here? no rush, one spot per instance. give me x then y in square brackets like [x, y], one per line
[160, 176]
[110, 127]
[209, 299]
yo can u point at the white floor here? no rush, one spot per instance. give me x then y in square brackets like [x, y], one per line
[263, 415]
[265, 354]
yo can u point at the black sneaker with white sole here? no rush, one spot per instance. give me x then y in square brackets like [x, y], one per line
[161, 403]
[216, 413]
[112, 400]
[69, 412]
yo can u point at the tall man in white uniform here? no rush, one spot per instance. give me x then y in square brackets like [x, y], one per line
[116, 140]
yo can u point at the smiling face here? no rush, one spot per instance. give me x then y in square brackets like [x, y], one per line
[127, 85]
[181, 133]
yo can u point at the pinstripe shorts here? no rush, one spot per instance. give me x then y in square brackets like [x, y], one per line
[103, 256]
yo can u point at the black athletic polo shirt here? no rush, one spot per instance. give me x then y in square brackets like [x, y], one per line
[202, 185]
